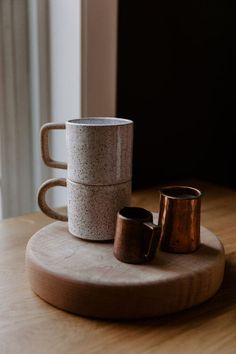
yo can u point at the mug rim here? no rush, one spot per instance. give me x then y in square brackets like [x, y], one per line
[99, 121]
[164, 192]
[135, 219]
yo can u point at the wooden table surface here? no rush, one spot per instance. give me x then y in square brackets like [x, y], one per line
[29, 325]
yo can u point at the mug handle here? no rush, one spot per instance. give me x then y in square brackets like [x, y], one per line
[45, 146]
[42, 200]
[152, 239]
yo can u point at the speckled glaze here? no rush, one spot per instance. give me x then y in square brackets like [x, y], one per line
[99, 150]
[92, 210]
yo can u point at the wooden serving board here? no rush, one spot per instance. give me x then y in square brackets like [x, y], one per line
[85, 278]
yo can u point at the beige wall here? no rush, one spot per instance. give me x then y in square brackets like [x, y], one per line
[99, 49]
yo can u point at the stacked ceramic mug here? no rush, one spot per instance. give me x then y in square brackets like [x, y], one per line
[99, 173]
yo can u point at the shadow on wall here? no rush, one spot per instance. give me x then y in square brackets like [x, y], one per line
[176, 75]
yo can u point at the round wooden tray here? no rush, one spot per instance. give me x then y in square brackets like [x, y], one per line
[85, 278]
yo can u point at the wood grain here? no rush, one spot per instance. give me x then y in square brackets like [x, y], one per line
[85, 278]
[29, 325]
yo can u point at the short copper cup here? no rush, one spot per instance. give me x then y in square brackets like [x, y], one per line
[136, 237]
[179, 218]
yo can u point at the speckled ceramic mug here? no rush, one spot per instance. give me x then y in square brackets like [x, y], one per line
[99, 150]
[92, 210]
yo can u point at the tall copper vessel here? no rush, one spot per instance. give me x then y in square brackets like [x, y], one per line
[179, 218]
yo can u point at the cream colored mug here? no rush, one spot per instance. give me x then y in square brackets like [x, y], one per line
[99, 150]
[99, 172]
[91, 209]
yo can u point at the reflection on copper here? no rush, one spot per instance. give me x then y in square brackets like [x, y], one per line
[179, 218]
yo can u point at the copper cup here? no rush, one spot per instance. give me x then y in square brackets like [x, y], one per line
[179, 218]
[136, 237]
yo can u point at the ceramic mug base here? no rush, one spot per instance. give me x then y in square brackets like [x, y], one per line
[92, 210]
